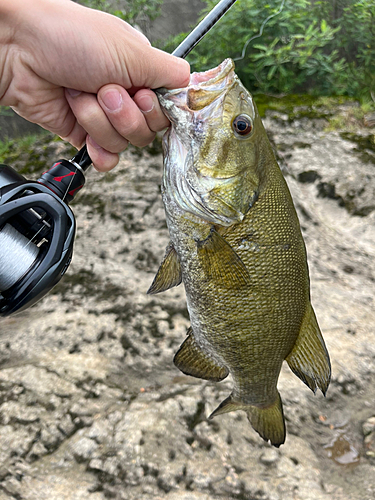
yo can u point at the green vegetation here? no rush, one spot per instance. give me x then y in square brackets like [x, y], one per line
[12, 148]
[31, 154]
[318, 47]
[5, 111]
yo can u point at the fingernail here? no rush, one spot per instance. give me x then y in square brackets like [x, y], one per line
[146, 103]
[93, 143]
[73, 92]
[112, 99]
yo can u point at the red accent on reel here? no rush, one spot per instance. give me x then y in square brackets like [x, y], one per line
[59, 179]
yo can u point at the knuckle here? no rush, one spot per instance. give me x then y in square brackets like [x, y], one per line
[90, 115]
[142, 142]
[117, 145]
[134, 128]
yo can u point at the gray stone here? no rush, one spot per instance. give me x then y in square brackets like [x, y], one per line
[269, 457]
[368, 426]
[83, 449]
[92, 406]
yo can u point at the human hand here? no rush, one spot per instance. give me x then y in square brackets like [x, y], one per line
[83, 75]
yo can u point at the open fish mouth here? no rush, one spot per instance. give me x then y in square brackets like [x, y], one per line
[203, 89]
[214, 75]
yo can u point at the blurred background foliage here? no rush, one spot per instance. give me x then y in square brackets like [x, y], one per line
[324, 47]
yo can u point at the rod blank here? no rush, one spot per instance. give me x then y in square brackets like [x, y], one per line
[203, 28]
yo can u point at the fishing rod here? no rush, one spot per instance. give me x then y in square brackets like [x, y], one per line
[37, 226]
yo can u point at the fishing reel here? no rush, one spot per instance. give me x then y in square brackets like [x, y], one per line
[37, 230]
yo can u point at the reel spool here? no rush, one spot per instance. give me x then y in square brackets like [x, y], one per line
[37, 230]
[17, 254]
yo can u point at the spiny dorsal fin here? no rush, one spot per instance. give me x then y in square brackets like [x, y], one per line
[309, 358]
[267, 421]
[191, 360]
[169, 273]
[221, 263]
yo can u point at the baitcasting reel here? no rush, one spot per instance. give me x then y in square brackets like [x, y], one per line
[37, 230]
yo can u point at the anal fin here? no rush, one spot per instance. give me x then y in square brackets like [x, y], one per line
[309, 358]
[267, 421]
[221, 263]
[191, 360]
[169, 273]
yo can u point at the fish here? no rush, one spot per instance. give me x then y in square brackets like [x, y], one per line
[236, 245]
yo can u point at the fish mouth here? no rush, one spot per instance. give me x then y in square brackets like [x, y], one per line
[203, 88]
[212, 76]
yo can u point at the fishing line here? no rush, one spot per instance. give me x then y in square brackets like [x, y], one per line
[70, 183]
[260, 31]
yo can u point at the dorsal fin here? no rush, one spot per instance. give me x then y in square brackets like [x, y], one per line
[169, 273]
[192, 360]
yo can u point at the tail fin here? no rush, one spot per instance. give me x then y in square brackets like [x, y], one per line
[267, 421]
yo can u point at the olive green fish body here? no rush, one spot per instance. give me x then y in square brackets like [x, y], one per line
[236, 245]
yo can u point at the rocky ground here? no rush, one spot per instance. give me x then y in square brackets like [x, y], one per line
[91, 406]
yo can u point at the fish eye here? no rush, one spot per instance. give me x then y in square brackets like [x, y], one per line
[242, 125]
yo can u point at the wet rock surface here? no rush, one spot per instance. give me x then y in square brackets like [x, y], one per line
[91, 406]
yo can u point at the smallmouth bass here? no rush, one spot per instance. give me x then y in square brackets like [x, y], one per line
[237, 246]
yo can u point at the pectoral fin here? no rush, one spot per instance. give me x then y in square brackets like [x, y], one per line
[191, 360]
[169, 273]
[309, 359]
[268, 421]
[221, 263]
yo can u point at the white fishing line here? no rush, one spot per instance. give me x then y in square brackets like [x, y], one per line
[17, 254]
[260, 31]
[70, 183]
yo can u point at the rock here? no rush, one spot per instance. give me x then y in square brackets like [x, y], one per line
[369, 443]
[83, 449]
[14, 442]
[369, 120]
[369, 426]
[269, 457]
[368, 429]
[91, 405]
[66, 425]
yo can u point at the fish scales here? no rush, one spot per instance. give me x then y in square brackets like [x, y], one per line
[236, 245]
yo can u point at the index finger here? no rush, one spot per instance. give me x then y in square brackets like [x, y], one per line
[152, 68]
